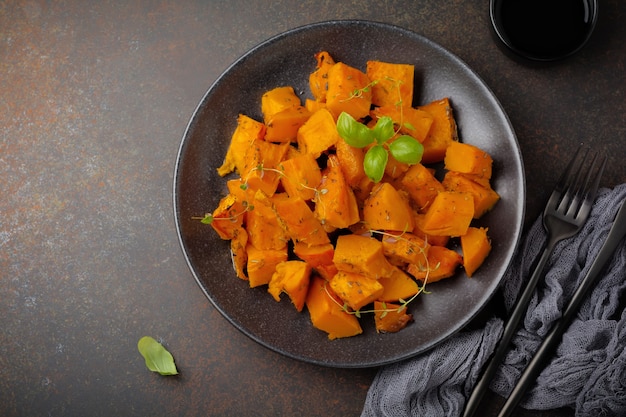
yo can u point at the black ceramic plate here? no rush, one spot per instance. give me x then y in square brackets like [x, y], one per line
[287, 59]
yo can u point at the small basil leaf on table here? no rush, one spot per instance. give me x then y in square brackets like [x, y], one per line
[158, 359]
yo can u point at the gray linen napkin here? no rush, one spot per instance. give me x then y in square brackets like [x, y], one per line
[588, 370]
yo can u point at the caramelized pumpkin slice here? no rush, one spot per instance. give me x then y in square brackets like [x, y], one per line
[265, 230]
[405, 248]
[410, 121]
[326, 312]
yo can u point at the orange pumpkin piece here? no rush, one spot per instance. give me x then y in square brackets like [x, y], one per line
[325, 310]
[432, 240]
[394, 83]
[247, 131]
[313, 105]
[485, 198]
[421, 185]
[265, 231]
[239, 253]
[318, 133]
[387, 209]
[398, 286]
[277, 100]
[261, 264]
[405, 248]
[298, 220]
[283, 126]
[442, 133]
[356, 290]
[315, 255]
[335, 205]
[301, 176]
[348, 91]
[291, 277]
[318, 79]
[259, 156]
[468, 159]
[450, 214]
[442, 263]
[228, 217]
[350, 159]
[475, 245]
[361, 255]
[390, 318]
[410, 121]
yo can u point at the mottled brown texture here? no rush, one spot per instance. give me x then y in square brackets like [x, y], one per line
[94, 98]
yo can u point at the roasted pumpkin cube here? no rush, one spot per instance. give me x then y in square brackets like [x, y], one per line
[387, 209]
[277, 100]
[362, 255]
[475, 245]
[450, 214]
[468, 159]
[442, 133]
[421, 185]
[291, 277]
[356, 290]
[318, 80]
[326, 311]
[348, 91]
[398, 286]
[298, 220]
[485, 198]
[404, 248]
[390, 317]
[318, 133]
[247, 132]
[336, 205]
[442, 263]
[283, 126]
[393, 83]
[301, 176]
[261, 264]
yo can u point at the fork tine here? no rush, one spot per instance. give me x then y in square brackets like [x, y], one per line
[567, 177]
[591, 186]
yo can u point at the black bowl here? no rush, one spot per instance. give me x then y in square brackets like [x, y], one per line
[287, 59]
[542, 31]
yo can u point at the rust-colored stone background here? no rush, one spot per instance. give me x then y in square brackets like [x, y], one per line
[94, 99]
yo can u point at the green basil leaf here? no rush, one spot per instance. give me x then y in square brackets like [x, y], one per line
[375, 161]
[383, 130]
[406, 149]
[158, 359]
[353, 132]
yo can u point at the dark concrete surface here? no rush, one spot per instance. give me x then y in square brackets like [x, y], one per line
[94, 99]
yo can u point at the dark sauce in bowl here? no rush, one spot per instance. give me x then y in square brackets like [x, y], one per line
[543, 30]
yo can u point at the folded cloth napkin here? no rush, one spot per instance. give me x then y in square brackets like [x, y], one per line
[588, 370]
